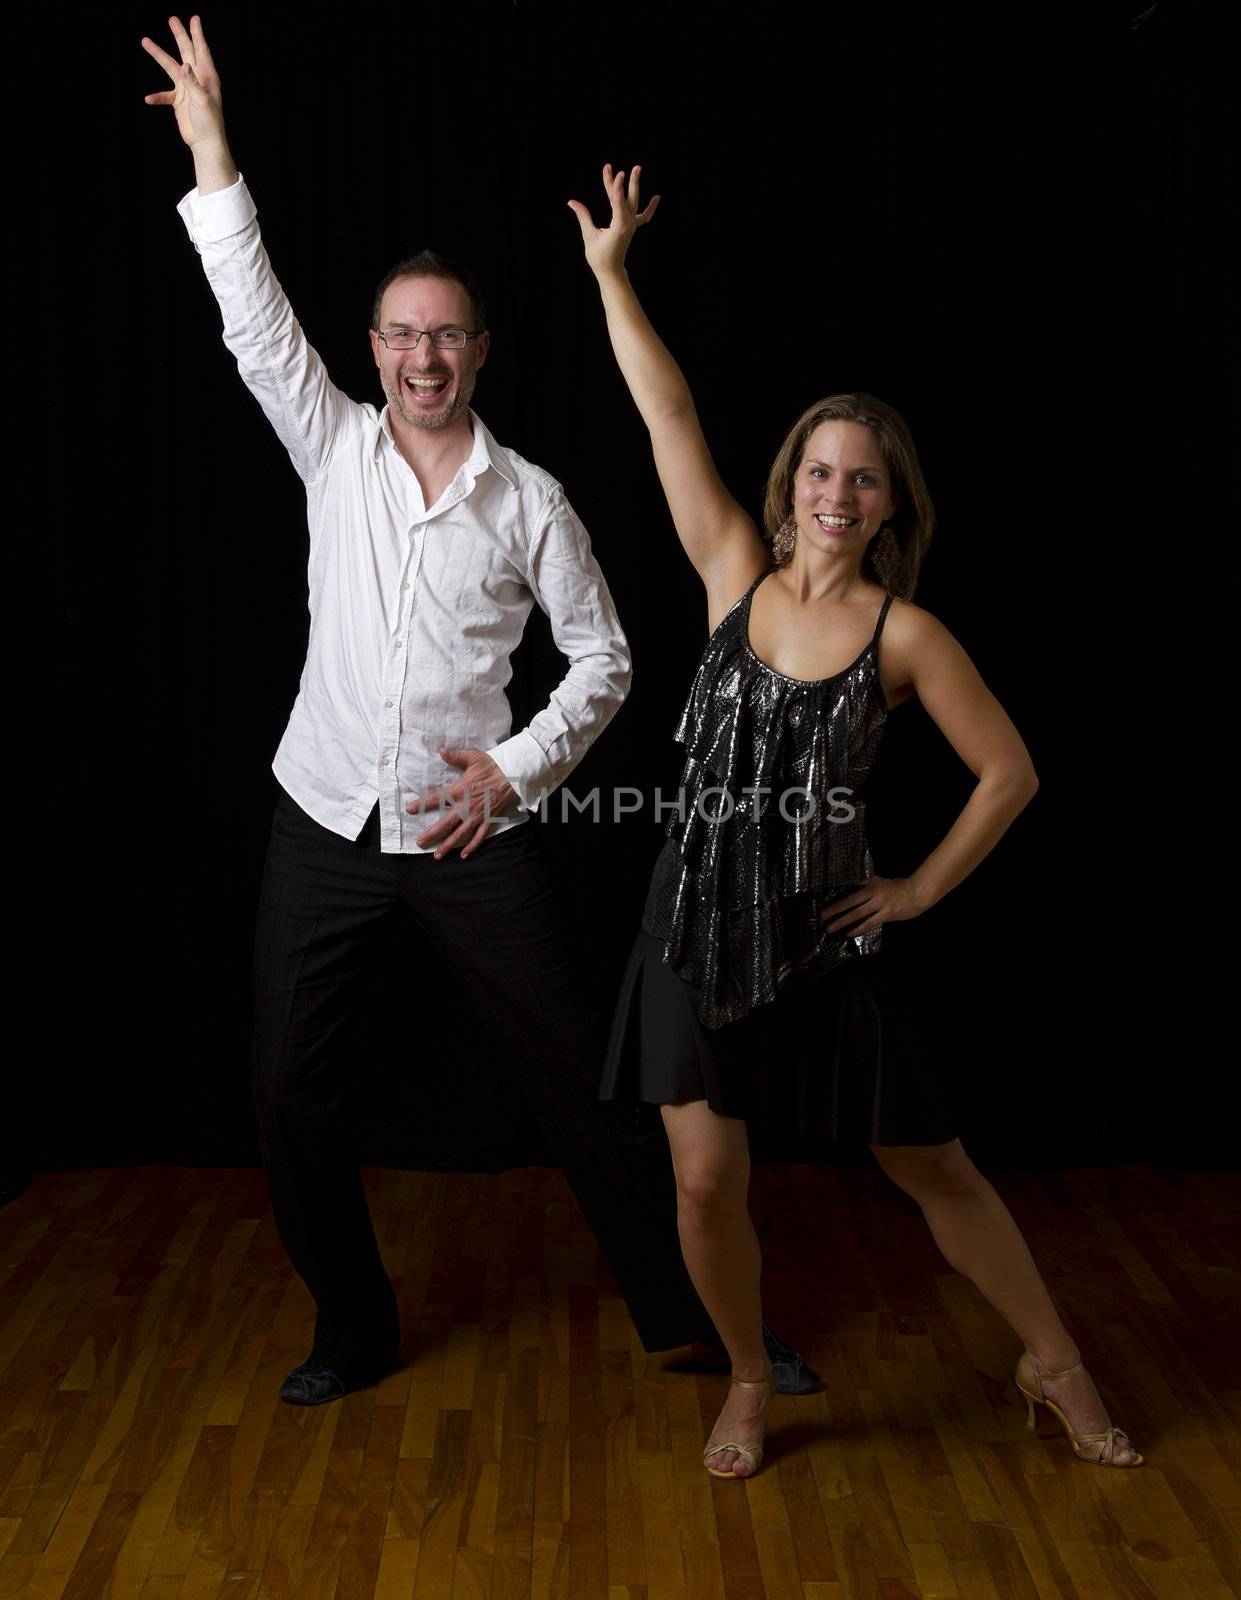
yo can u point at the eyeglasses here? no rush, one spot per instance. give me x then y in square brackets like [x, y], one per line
[411, 338]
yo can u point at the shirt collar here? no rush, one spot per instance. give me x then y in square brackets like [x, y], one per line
[484, 453]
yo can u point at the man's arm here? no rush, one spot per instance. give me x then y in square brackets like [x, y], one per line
[279, 366]
[196, 102]
[565, 579]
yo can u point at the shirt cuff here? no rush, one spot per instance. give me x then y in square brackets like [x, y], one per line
[522, 761]
[208, 218]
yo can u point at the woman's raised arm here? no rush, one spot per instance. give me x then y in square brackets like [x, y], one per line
[719, 538]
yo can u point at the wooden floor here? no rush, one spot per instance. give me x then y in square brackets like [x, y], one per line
[529, 1447]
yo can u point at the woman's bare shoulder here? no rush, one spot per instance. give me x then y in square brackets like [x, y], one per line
[917, 648]
[912, 626]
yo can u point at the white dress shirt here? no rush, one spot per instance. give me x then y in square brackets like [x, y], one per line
[414, 610]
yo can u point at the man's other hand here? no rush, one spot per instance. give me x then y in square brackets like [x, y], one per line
[481, 794]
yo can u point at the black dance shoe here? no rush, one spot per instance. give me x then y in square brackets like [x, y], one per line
[313, 1384]
[789, 1372]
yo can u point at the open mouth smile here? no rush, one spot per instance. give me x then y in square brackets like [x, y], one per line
[425, 388]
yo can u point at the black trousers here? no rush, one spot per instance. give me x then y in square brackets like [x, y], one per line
[500, 921]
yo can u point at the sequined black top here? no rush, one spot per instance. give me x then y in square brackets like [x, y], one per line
[770, 820]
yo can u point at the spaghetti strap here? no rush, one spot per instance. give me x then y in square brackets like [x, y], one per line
[883, 617]
[746, 600]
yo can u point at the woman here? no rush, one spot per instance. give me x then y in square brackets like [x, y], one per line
[762, 925]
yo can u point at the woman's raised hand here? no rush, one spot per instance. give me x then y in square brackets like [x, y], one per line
[195, 94]
[606, 247]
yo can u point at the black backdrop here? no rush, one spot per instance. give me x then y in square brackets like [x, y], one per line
[1003, 219]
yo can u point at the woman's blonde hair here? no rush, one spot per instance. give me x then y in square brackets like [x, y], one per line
[914, 518]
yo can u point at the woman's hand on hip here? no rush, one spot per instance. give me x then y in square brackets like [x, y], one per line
[879, 900]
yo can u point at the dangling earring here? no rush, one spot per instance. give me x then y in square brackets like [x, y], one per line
[782, 542]
[887, 556]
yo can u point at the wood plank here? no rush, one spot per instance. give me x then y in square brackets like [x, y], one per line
[529, 1446]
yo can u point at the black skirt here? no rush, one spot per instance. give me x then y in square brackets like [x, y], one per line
[843, 1056]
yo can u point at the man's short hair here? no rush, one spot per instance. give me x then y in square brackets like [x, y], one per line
[430, 264]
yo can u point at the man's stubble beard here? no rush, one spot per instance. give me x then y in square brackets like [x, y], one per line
[395, 391]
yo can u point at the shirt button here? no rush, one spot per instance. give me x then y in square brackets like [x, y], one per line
[384, 762]
[387, 705]
[404, 586]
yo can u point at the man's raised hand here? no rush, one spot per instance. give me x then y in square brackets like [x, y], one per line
[195, 92]
[606, 247]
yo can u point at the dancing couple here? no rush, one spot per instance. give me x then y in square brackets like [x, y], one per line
[405, 792]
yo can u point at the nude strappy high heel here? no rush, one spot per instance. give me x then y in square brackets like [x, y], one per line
[1096, 1448]
[752, 1452]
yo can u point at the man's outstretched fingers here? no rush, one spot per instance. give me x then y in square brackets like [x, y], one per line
[170, 65]
[184, 43]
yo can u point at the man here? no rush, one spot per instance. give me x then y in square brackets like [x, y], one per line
[429, 543]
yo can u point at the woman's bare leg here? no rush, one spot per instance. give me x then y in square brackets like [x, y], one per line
[711, 1159]
[976, 1232]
